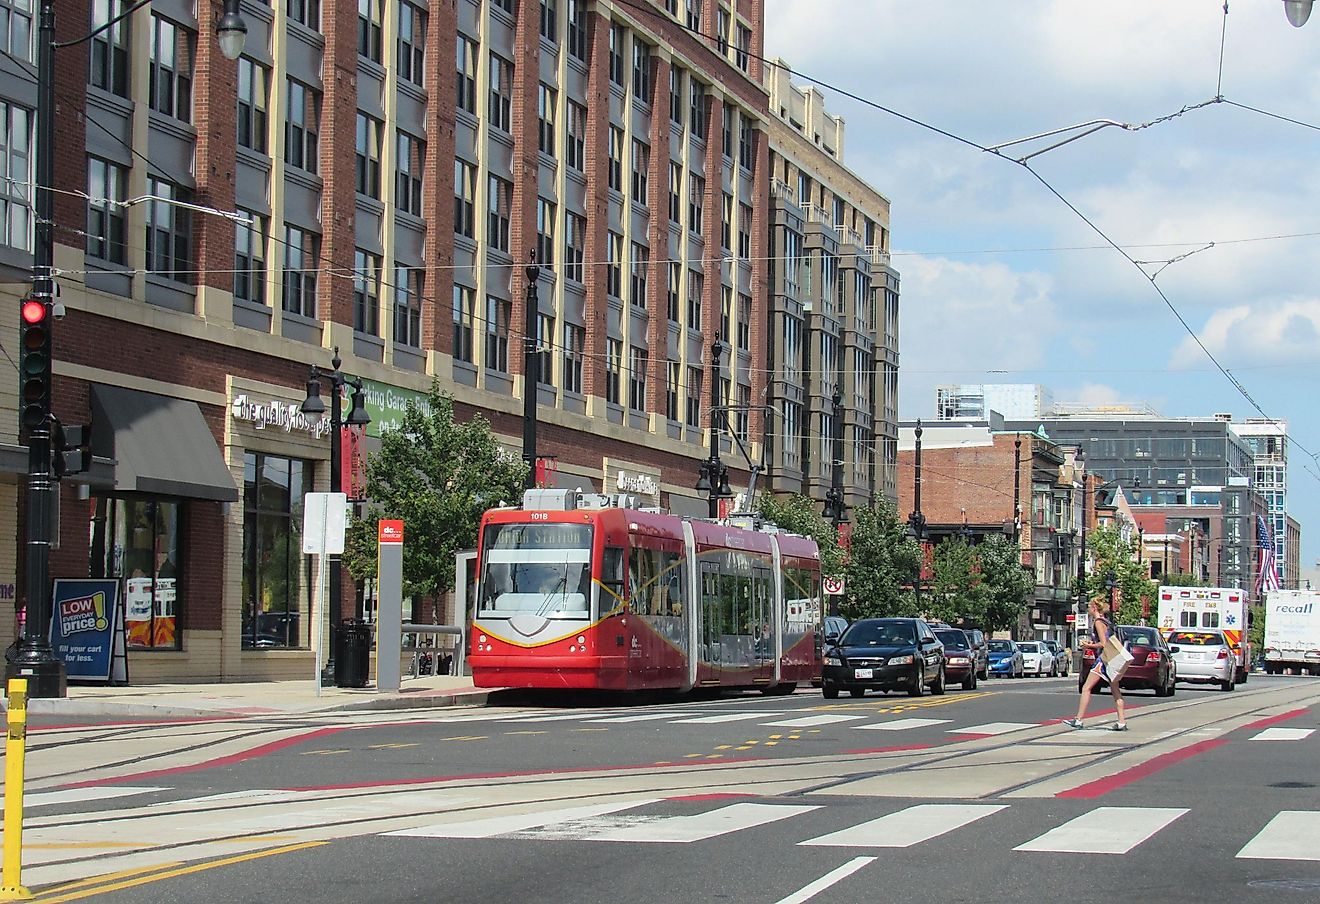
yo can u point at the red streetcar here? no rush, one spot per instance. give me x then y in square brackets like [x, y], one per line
[575, 591]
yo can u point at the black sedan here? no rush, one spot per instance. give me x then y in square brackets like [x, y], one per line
[884, 654]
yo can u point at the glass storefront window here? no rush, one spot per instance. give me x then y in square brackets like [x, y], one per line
[276, 575]
[137, 541]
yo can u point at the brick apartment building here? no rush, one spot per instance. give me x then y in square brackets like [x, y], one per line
[627, 144]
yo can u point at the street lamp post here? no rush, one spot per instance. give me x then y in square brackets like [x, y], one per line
[34, 657]
[714, 479]
[834, 507]
[531, 370]
[357, 417]
[1017, 491]
[1111, 581]
[916, 520]
[1081, 546]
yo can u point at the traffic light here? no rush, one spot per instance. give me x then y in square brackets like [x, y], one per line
[34, 366]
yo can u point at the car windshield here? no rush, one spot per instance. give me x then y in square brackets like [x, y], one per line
[875, 634]
[544, 569]
[1029, 647]
[1142, 637]
[952, 640]
[1197, 638]
[1001, 646]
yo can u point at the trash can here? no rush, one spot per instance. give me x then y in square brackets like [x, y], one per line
[352, 653]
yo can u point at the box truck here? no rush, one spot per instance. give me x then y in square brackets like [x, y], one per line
[1201, 608]
[1292, 631]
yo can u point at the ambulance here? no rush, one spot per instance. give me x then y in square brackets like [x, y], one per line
[1203, 608]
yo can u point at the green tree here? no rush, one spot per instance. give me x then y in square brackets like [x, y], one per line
[958, 591]
[798, 514]
[882, 563]
[1008, 586]
[438, 476]
[1131, 585]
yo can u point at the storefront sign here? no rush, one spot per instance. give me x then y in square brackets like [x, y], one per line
[643, 484]
[86, 626]
[284, 416]
[386, 405]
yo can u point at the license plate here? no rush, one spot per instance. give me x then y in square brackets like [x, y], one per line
[862, 673]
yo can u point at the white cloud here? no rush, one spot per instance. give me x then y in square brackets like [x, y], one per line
[1265, 333]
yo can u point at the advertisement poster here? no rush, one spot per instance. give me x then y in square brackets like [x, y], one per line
[86, 629]
[150, 620]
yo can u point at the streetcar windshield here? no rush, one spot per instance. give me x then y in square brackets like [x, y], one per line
[541, 569]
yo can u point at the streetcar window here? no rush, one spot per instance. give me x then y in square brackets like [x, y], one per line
[543, 569]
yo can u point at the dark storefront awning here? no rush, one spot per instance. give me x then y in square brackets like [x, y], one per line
[160, 445]
[688, 506]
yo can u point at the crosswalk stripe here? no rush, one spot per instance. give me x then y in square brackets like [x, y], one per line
[902, 724]
[1105, 830]
[807, 721]
[907, 827]
[725, 717]
[1290, 835]
[1284, 734]
[644, 717]
[684, 829]
[491, 826]
[994, 728]
[80, 795]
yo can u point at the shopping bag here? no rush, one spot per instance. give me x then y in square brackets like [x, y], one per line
[1116, 657]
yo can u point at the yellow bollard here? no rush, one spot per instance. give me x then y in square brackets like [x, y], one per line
[15, 749]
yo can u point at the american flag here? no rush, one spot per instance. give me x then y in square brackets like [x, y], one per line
[1267, 576]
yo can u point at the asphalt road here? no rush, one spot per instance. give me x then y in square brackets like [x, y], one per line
[972, 796]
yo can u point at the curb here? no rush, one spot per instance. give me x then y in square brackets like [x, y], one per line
[239, 709]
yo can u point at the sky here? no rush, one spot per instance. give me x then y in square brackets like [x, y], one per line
[1002, 278]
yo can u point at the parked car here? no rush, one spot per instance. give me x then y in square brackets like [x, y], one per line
[884, 654]
[1152, 665]
[980, 651]
[1203, 657]
[1037, 659]
[1062, 657]
[959, 665]
[1005, 659]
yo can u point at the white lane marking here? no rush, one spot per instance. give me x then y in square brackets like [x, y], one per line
[1290, 835]
[726, 717]
[1104, 830]
[995, 728]
[561, 717]
[1284, 734]
[902, 724]
[807, 721]
[644, 717]
[809, 891]
[907, 827]
[518, 822]
[78, 795]
[683, 829]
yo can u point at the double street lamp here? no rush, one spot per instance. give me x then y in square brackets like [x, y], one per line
[714, 474]
[34, 657]
[315, 406]
[1297, 11]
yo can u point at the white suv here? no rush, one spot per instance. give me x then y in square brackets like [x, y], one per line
[1203, 657]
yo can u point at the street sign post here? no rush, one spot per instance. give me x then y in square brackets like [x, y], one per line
[325, 516]
[389, 598]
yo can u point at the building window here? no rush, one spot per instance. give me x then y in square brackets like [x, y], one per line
[369, 16]
[722, 30]
[169, 231]
[109, 69]
[791, 432]
[746, 142]
[641, 71]
[616, 158]
[696, 202]
[276, 575]
[368, 155]
[498, 314]
[140, 540]
[575, 243]
[613, 364]
[614, 265]
[675, 192]
[465, 194]
[546, 213]
[545, 349]
[408, 306]
[741, 414]
[106, 185]
[694, 15]
[301, 146]
[641, 263]
[575, 341]
[638, 359]
[302, 250]
[726, 312]
[366, 292]
[412, 43]
[250, 258]
[727, 130]
[253, 81]
[698, 109]
[408, 178]
[575, 145]
[744, 328]
[696, 289]
[546, 99]
[577, 29]
[499, 204]
[743, 46]
[641, 168]
[726, 222]
[465, 59]
[745, 231]
[676, 95]
[506, 5]
[672, 369]
[549, 20]
[465, 302]
[693, 397]
[171, 71]
[672, 289]
[306, 12]
[501, 93]
[616, 54]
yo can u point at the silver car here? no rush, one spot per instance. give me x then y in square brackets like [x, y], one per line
[1203, 657]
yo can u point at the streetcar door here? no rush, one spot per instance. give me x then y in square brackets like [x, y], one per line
[712, 620]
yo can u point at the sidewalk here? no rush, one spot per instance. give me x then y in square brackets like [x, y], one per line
[255, 698]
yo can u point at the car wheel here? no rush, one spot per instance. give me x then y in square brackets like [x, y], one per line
[916, 687]
[937, 687]
[1226, 685]
[830, 692]
[969, 683]
[857, 691]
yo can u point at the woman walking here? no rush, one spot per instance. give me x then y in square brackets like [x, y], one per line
[1101, 629]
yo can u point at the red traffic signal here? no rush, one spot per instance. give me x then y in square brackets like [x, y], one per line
[33, 312]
